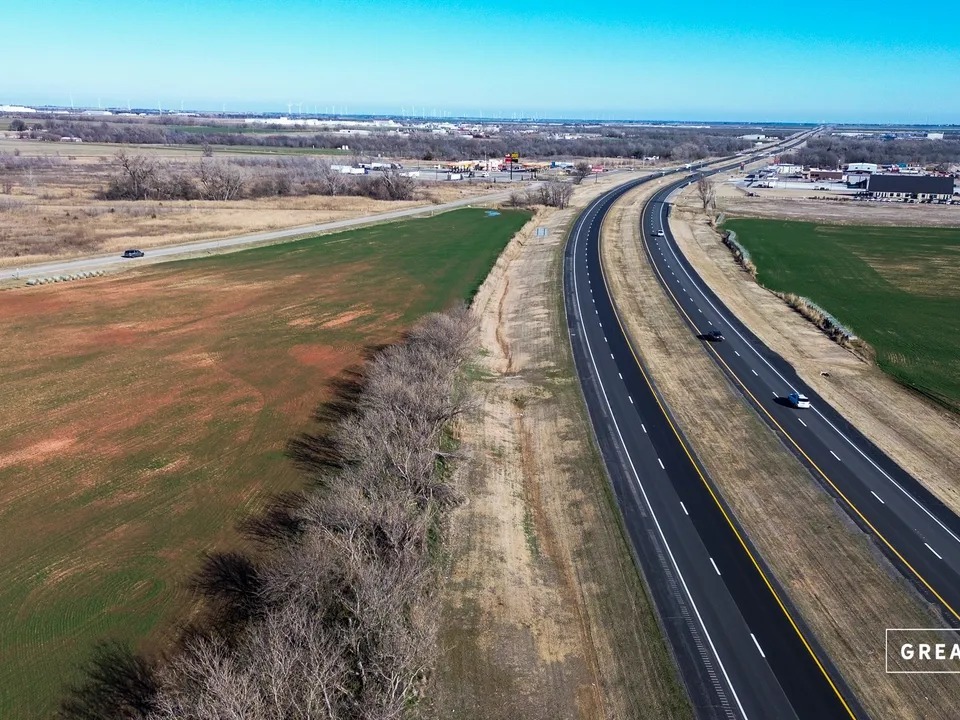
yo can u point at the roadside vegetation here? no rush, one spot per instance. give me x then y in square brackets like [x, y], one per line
[833, 573]
[336, 615]
[545, 614]
[894, 288]
[154, 415]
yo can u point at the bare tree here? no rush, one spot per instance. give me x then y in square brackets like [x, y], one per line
[706, 191]
[138, 176]
[555, 193]
[580, 171]
[221, 181]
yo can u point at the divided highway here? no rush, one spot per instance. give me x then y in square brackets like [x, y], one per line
[741, 650]
[914, 528]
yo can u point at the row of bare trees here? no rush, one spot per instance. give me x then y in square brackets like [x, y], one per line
[832, 151]
[139, 177]
[335, 619]
[574, 140]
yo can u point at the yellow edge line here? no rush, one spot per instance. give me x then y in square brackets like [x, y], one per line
[703, 479]
[810, 460]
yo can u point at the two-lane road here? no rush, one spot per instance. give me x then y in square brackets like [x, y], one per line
[741, 650]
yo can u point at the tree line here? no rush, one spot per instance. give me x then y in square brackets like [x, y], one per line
[335, 616]
[833, 151]
[667, 143]
[139, 177]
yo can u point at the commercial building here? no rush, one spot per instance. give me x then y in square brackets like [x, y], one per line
[910, 187]
[862, 167]
[819, 174]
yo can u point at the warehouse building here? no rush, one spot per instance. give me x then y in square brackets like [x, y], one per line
[910, 187]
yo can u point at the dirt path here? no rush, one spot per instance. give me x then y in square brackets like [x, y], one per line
[545, 615]
[847, 593]
[921, 436]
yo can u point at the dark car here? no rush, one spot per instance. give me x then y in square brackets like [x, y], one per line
[132, 253]
[714, 336]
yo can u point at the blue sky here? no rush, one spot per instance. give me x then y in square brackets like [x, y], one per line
[814, 61]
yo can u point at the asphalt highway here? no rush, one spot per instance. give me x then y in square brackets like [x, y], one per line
[911, 526]
[741, 649]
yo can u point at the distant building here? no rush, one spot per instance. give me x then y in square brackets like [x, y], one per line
[18, 109]
[788, 169]
[818, 174]
[910, 187]
[935, 136]
[861, 168]
[753, 137]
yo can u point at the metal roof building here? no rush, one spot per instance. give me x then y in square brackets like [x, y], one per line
[917, 187]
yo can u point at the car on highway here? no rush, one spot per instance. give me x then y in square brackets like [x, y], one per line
[132, 253]
[714, 336]
[659, 233]
[798, 400]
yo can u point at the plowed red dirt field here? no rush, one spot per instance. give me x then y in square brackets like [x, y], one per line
[143, 415]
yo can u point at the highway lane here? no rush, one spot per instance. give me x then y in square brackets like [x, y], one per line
[741, 651]
[913, 528]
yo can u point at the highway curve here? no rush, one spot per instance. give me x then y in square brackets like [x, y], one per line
[741, 650]
[916, 531]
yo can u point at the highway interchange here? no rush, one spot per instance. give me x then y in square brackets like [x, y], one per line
[741, 647]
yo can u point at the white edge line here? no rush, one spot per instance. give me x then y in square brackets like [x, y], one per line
[653, 515]
[822, 416]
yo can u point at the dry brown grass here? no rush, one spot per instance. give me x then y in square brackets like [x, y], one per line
[844, 589]
[920, 436]
[51, 210]
[545, 615]
[798, 205]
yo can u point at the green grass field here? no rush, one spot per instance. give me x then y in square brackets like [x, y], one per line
[143, 415]
[897, 288]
